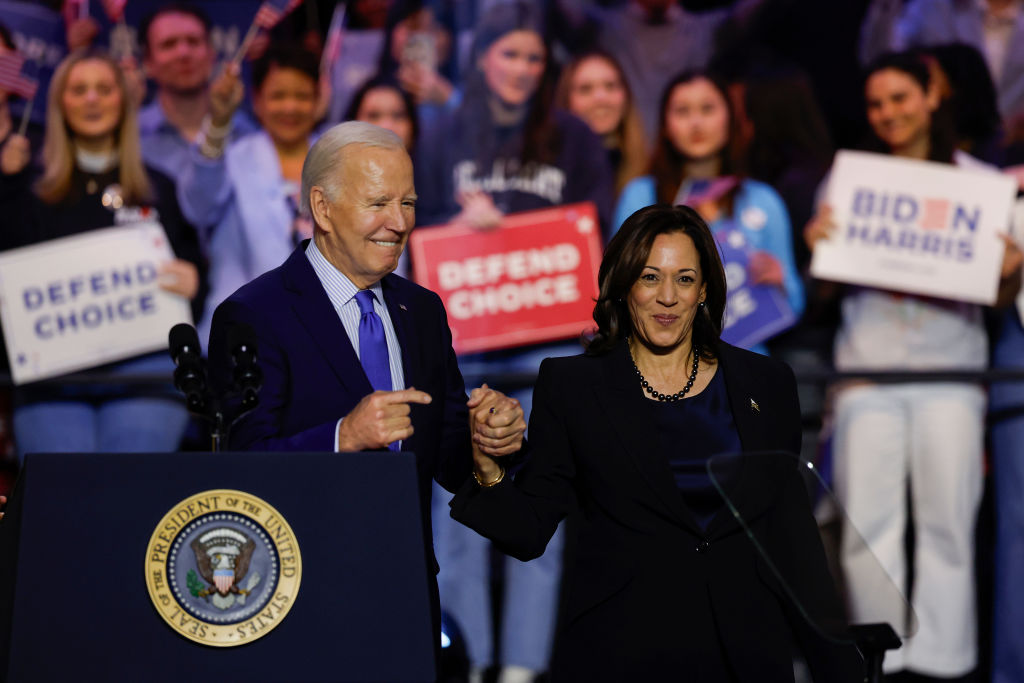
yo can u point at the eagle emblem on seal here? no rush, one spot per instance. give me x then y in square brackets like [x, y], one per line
[223, 556]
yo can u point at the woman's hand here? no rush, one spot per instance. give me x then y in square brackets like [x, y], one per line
[1009, 273]
[226, 93]
[765, 269]
[478, 211]
[81, 33]
[134, 79]
[179, 277]
[424, 83]
[15, 155]
[820, 227]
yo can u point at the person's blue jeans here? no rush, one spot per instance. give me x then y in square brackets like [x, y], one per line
[1006, 405]
[108, 419]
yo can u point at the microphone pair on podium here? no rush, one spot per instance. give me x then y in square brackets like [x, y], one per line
[190, 377]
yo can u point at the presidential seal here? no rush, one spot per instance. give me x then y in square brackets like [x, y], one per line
[223, 568]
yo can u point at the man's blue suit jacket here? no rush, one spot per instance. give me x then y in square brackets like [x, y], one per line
[312, 376]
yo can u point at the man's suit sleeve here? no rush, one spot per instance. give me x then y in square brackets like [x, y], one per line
[455, 459]
[259, 430]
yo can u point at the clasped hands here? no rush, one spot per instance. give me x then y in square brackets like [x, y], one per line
[496, 423]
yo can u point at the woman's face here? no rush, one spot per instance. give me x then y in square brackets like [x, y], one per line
[899, 109]
[597, 95]
[285, 105]
[697, 119]
[384, 107]
[664, 300]
[513, 66]
[92, 100]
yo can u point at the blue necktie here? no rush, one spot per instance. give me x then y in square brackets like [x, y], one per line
[373, 347]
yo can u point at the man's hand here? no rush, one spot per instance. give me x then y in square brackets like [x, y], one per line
[496, 424]
[379, 419]
[226, 94]
[3, 503]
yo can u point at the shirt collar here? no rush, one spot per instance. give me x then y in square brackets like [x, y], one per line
[340, 290]
[153, 120]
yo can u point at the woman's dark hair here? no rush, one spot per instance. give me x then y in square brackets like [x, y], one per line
[941, 135]
[287, 56]
[973, 102]
[540, 139]
[624, 261]
[391, 84]
[788, 124]
[667, 162]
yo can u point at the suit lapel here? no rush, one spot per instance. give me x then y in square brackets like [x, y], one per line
[405, 330]
[632, 417]
[317, 315]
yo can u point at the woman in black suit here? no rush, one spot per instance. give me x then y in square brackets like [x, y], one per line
[665, 585]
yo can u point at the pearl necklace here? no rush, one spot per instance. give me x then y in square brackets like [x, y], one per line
[667, 397]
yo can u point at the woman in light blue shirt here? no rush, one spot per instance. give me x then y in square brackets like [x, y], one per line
[697, 161]
[244, 197]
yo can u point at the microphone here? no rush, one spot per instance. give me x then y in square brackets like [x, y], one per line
[189, 376]
[248, 377]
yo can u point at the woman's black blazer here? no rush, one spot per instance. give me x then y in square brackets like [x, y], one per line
[650, 594]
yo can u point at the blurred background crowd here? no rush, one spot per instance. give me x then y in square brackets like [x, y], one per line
[733, 106]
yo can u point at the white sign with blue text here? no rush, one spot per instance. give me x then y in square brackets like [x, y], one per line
[915, 226]
[78, 302]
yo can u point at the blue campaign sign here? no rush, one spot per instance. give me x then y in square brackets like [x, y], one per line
[753, 313]
[38, 33]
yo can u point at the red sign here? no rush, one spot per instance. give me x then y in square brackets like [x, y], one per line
[531, 280]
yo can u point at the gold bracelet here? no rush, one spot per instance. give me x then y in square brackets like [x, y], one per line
[489, 484]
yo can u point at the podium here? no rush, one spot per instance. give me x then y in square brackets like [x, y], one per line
[83, 534]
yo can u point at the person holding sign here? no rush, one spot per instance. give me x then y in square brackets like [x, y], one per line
[506, 149]
[931, 433]
[93, 177]
[665, 586]
[244, 196]
[698, 161]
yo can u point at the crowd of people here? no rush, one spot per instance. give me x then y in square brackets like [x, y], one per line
[507, 106]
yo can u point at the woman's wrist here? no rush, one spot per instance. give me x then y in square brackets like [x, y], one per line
[488, 474]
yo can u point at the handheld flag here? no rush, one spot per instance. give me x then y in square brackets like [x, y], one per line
[11, 78]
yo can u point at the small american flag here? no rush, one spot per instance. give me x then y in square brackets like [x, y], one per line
[332, 46]
[11, 78]
[114, 9]
[935, 214]
[271, 12]
[709, 190]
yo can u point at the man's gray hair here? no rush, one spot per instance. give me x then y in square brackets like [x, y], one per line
[325, 157]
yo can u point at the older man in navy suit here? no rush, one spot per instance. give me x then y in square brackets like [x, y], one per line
[356, 358]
